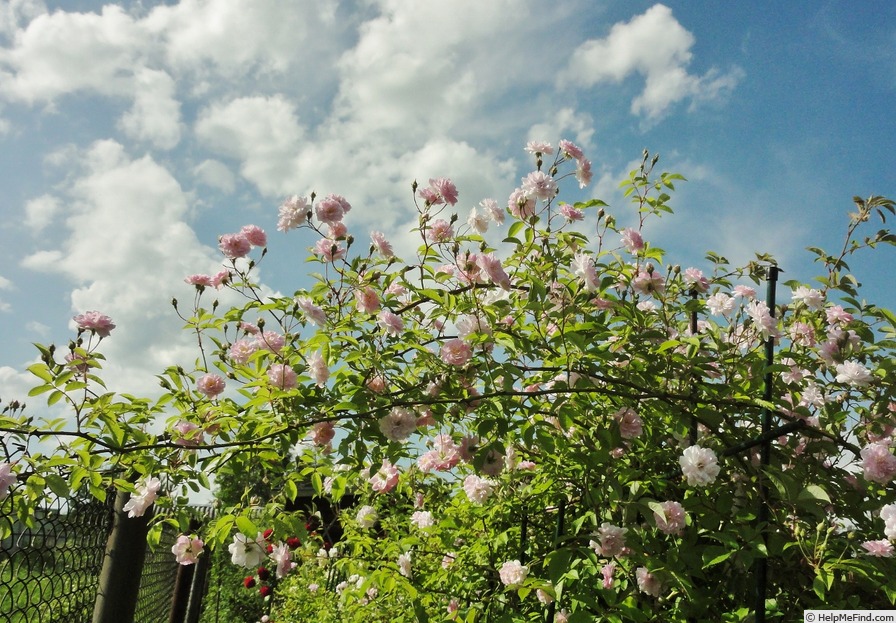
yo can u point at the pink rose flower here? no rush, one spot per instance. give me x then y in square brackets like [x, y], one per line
[200, 281]
[853, 373]
[440, 230]
[234, 246]
[695, 280]
[293, 213]
[221, 278]
[583, 172]
[607, 571]
[314, 314]
[322, 433]
[878, 463]
[317, 368]
[442, 190]
[881, 549]
[270, 340]
[329, 250]
[571, 150]
[7, 479]
[398, 424]
[456, 352]
[610, 540]
[583, 267]
[491, 266]
[95, 322]
[494, 211]
[331, 209]
[210, 385]
[672, 520]
[513, 573]
[186, 549]
[647, 582]
[385, 479]
[187, 433]
[147, 490]
[647, 282]
[630, 425]
[521, 205]
[570, 213]
[383, 246]
[255, 235]
[282, 376]
[241, 350]
[390, 323]
[699, 465]
[539, 147]
[478, 489]
[539, 185]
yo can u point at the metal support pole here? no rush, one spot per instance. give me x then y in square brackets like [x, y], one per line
[198, 588]
[119, 585]
[558, 532]
[765, 453]
[182, 584]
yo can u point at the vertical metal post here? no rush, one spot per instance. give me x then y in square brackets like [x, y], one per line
[182, 584]
[119, 585]
[198, 588]
[558, 532]
[765, 452]
[692, 432]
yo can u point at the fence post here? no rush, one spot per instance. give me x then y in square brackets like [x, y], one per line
[182, 585]
[197, 588]
[119, 584]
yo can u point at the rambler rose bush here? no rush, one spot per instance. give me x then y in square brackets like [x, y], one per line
[535, 420]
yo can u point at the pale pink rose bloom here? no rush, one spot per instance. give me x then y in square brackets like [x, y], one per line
[811, 298]
[423, 519]
[367, 300]
[878, 463]
[282, 376]
[314, 314]
[383, 246]
[447, 191]
[694, 278]
[672, 520]
[583, 173]
[632, 240]
[329, 210]
[540, 185]
[539, 147]
[7, 479]
[744, 291]
[647, 582]
[210, 385]
[836, 315]
[147, 490]
[317, 368]
[440, 230]
[570, 213]
[763, 321]
[398, 424]
[241, 350]
[478, 489]
[630, 425]
[186, 433]
[888, 514]
[448, 559]
[390, 323]
[607, 572]
[544, 596]
[647, 282]
[583, 268]
[376, 383]
[647, 306]
[202, 281]
[255, 235]
[271, 340]
[385, 479]
[494, 211]
[95, 322]
[282, 557]
[478, 222]
[366, 517]
[812, 396]
[513, 573]
[250, 328]
[491, 266]
[610, 540]
[453, 606]
[571, 150]
[853, 373]
[234, 246]
[493, 464]
[470, 325]
[720, 304]
[881, 549]
[562, 616]
[186, 549]
[467, 448]
[322, 433]
[521, 204]
[221, 279]
[329, 250]
[456, 352]
[802, 334]
[293, 213]
[430, 196]
[699, 465]
[404, 564]
[335, 231]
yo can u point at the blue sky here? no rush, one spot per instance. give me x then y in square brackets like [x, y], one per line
[133, 134]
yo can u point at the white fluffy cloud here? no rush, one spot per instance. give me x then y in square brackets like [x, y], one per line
[155, 114]
[658, 48]
[127, 248]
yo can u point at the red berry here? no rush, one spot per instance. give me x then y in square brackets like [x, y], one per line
[265, 590]
[249, 582]
[293, 542]
[263, 574]
[267, 533]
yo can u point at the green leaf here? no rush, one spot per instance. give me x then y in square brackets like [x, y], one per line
[814, 492]
[41, 371]
[246, 526]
